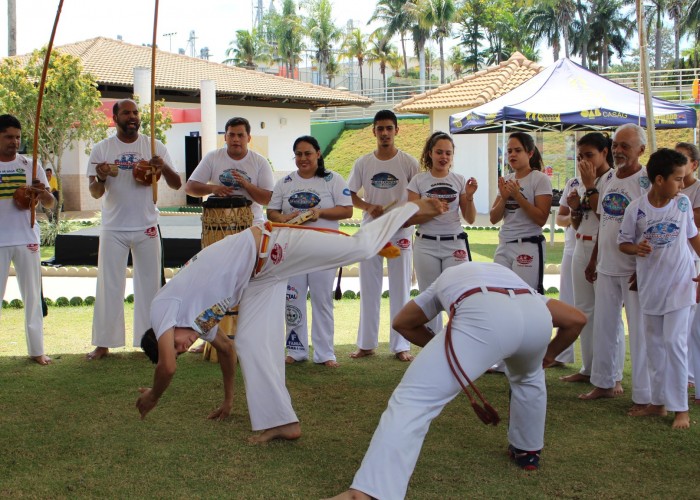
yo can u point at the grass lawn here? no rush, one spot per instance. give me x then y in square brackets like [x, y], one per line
[71, 430]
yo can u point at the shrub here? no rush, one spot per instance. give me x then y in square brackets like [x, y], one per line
[552, 290]
[5, 304]
[48, 301]
[385, 294]
[76, 301]
[349, 294]
[62, 302]
[414, 292]
[16, 304]
[89, 300]
[130, 298]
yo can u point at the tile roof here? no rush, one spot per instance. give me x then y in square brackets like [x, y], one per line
[111, 63]
[475, 89]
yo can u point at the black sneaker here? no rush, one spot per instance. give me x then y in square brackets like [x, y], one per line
[526, 460]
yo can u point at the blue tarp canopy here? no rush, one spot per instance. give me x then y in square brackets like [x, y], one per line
[567, 97]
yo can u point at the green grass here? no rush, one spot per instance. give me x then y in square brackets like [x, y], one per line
[71, 430]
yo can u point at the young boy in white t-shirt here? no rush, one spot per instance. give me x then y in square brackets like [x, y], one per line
[654, 228]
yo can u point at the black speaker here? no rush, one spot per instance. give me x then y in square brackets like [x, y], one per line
[193, 155]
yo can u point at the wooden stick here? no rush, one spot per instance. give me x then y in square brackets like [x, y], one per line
[40, 99]
[154, 180]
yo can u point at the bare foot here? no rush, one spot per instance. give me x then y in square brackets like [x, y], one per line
[290, 360]
[98, 353]
[199, 349]
[681, 420]
[597, 393]
[640, 410]
[42, 360]
[290, 432]
[351, 495]
[576, 377]
[618, 390]
[331, 363]
[362, 353]
[404, 356]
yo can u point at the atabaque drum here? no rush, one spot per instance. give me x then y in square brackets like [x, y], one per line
[223, 216]
[143, 173]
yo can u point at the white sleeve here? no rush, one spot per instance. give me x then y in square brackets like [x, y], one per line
[96, 156]
[543, 186]
[266, 180]
[413, 185]
[202, 172]
[340, 191]
[628, 228]
[565, 194]
[277, 195]
[162, 151]
[355, 180]
[428, 302]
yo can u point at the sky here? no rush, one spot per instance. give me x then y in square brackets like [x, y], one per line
[214, 21]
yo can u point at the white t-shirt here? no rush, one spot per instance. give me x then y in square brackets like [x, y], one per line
[126, 205]
[449, 189]
[15, 222]
[664, 277]
[217, 167]
[452, 283]
[184, 302]
[384, 181]
[612, 203]
[693, 194]
[573, 184]
[516, 223]
[294, 193]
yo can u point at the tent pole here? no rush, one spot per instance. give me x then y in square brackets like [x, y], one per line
[644, 68]
[503, 150]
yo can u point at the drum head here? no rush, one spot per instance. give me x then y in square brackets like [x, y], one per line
[235, 201]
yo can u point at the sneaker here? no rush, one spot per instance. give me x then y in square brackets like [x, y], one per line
[526, 460]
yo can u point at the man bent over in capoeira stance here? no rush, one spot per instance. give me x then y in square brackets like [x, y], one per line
[495, 316]
[252, 268]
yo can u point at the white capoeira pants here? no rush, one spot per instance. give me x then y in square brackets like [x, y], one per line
[667, 350]
[27, 261]
[584, 299]
[431, 258]
[488, 327]
[260, 332]
[371, 275]
[566, 295]
[108, 320]
[694, 349]
[523, 259]
[610, 294]
[320, 285]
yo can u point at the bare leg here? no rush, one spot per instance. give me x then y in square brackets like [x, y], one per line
[576, 377]
[98, 353]
[640, 410]
[42, 360]
[404, 356]
[598, 393]
[681, 420]
[351, 495]
[290, 432]
[362, 353]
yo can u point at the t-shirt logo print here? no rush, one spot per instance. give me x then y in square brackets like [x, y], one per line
[127, 161]
[227, 178]
[277, 254]
[304, 200]
[384, 180]
[443, 193]
[661, 234]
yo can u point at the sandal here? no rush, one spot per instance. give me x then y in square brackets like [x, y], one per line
[526, 460]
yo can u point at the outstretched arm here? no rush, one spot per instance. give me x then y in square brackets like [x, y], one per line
[165, 370]
[410, 323]
[226, 351]
[569, 321]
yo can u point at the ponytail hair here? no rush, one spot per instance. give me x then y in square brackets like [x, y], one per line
[321, 170]
[691, 149]
[426, 162]
[600, 142]
[536, 162]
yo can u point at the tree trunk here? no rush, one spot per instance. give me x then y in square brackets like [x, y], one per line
[421, 67]
[584, 42]
[442, 62]
[405, 59]
[657, 41]
[11, 27]
[359, 63]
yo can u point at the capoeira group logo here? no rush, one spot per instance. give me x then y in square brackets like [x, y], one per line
[661, 234]
[444, 193]
[276, 254]
[460, 255]
[403, 243]
[293, 342]
[127, 161]
[151, 232]
[292, 315]
[227, 179]
[615, 204]
[384, 180]
[304, 200]
[524, 260]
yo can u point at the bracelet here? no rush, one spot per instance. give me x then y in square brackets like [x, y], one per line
[102, 181]
[577, 214]
[591, 191]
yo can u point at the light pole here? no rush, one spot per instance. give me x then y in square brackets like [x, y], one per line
[170, 38]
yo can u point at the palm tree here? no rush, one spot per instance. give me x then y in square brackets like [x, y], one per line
[456, 61]
[609, 31]
[288, 32]
[582, 34]
[420, 31]
[675, 12]
[247, 49]
[654, 12]
[321, 31]
[397, 20]
[552, 21]
[355, 47]
[380, 51]
[440, 14]
[471, 18]
[332, 70]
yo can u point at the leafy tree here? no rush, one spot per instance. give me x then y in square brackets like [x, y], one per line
[654, 12]
[610, 29]
[355, 47]
[286, 29]
[440, 14]
[321, 31]
[552, 21]
[397, 17]
[380, 51]
[70, 110]
[247, 49]
[332, 70]
[456, 61]
[472, 18]
[163, 121]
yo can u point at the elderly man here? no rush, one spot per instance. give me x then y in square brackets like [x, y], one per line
[614, 273]
[261, 259]
[19, 242]
[129, 224]
[494, 315]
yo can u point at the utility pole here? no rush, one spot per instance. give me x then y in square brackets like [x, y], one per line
[11, 27]
[170, 38]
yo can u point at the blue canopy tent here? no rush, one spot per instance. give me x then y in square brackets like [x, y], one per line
[567, 97]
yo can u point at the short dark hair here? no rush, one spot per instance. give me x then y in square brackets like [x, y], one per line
[385, 114]
[7, 121]
[149, 344]
[321, 169]
[115, 108]
[662, 163]
[238, 120]
[536, 161]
